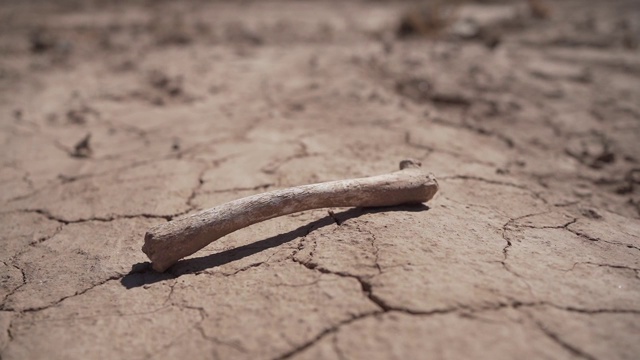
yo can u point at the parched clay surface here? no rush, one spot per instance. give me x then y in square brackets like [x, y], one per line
[118, 116]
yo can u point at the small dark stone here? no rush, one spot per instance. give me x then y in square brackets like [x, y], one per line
[591, 214]
[82, 149]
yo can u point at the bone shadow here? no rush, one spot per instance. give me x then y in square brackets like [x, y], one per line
[141, 273]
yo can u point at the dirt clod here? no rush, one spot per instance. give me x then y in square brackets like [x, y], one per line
[83, 148]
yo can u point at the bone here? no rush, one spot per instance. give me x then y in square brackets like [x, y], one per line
[167, 243]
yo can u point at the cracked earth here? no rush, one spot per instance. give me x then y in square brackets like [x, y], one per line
[118, 116]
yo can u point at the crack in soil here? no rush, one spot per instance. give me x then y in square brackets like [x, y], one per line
[171, 289]
[488, 181]
[43, 239]
[331, 330]
[52, 217]
[275, 165]
[9, 337]
[236, 189]
[596, 311]
[337, 349]
[93, 317]
[65, 179]
[245, 268]
[55, 303]
[535, 195]
[590, 238]
[601, 265]
[374, 245]
[174, 341]
[549, 227]
[11, 261]
[430, 149]
[576, 309]
[27, 179]
[77, 293]
[10, 293]
[365, 285]
[465, 310]
[376, 252]
[194, 192]
[505, 251]
[477, 130]
[508, 224]
[558, 340]
[198, 327]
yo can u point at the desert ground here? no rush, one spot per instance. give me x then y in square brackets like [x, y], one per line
[117, 116]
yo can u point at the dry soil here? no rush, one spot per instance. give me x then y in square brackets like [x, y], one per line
[116, 116]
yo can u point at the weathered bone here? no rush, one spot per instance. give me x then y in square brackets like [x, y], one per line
[167, 243]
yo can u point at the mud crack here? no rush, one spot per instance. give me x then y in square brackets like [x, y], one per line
[116, 277]
[558, 340]
[52, 217]
[525, 188]
[77, 293]
[331, 330]
[478, 130]
[409, 141]
[602, 265]
[10, 293]
[590, 238]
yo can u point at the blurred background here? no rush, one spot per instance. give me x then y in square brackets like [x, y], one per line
[553, 84]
